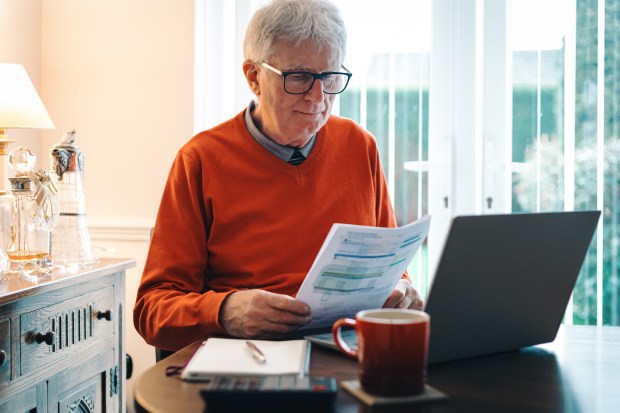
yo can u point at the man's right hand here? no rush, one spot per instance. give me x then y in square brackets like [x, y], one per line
[262, 314]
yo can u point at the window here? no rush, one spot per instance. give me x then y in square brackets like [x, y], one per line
[477, 107]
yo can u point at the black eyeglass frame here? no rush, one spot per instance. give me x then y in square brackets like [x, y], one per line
[315, 76]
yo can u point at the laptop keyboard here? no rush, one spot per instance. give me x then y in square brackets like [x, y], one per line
[325, 339]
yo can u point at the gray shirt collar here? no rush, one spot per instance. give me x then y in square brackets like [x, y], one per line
[281, 151]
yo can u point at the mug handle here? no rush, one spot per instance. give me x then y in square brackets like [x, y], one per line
[338, 337]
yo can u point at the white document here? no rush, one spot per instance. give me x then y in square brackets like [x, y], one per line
[229, 356]
[357, 268]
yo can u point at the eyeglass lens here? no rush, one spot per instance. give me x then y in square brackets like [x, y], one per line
[303, 82]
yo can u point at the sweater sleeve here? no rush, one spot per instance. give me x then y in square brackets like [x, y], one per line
[173, 306]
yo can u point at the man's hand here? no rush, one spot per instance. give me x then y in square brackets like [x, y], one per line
[404, 296]
[261, 314]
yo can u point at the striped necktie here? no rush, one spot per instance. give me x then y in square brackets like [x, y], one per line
[296, 158]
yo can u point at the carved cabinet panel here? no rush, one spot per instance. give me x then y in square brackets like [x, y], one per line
[85, 389]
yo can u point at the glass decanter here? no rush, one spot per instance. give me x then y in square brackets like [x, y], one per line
[32, 216]
[70, 238]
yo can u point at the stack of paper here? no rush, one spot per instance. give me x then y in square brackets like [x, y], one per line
[357, 268]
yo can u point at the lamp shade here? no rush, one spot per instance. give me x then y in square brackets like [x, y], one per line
[20, 104]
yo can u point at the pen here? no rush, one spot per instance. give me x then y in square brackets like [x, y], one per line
[256, 353]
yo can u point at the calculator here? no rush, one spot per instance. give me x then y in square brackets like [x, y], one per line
[270, 393]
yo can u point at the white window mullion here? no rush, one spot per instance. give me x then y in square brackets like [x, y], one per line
[506, 152]
[364, 97]
[452, 114]
[441, 124]
[421, 196]
[217, 67]
[478, 76]
[570, 54]
[230, 59]
[600, 161]
[391, 172]
[243, 12]
[538, 137]
[495, 80]
[466, 191]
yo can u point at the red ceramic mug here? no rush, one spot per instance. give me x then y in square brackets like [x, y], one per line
[392, 349]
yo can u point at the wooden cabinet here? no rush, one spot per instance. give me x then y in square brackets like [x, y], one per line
[62, 348]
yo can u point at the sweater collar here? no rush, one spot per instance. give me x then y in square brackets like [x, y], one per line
[281, 151]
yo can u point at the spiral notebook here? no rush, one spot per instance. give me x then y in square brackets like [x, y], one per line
[230, 357]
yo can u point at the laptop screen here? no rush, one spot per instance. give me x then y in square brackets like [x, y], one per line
[503, 281]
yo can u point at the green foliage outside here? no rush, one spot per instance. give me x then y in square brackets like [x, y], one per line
[550, 154]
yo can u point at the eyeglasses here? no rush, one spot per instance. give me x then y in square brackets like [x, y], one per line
[299, 82]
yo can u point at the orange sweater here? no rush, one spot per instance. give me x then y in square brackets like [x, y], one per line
[234, 216]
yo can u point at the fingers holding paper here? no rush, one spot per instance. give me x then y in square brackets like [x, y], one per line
[404, 296]
[262, 314]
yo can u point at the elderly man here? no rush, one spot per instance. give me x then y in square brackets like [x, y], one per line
[248, 203]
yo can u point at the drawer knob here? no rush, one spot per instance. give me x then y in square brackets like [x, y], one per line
[105, 314]
[48, 338]
[3, 357]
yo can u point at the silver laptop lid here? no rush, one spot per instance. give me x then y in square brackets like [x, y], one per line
[503, 281]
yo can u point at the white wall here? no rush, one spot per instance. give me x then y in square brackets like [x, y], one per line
[121, 73]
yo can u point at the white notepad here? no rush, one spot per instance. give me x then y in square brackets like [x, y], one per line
[227, 356]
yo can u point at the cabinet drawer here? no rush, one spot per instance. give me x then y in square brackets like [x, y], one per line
[5, 350]
[56, 331]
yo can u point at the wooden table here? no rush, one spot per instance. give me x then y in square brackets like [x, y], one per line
[578, 372]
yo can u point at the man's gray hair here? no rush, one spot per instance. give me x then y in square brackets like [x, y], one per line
[317, 21]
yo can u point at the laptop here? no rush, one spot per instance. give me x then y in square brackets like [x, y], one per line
[502, 283]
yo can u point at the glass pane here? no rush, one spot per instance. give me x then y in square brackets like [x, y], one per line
[377, 102]
[611, 196]
[411, 129]
[537, 104]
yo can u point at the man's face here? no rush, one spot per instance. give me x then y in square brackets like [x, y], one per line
[293, 119]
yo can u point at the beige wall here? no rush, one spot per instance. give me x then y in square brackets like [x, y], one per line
[121, 73]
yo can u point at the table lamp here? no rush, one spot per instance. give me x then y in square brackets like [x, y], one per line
[20, 107]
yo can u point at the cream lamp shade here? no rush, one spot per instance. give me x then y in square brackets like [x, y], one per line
[20, 107]
[20, 104]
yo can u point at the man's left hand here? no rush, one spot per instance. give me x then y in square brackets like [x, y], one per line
[404, 296]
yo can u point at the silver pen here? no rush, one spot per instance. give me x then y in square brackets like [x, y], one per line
[256, 353]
